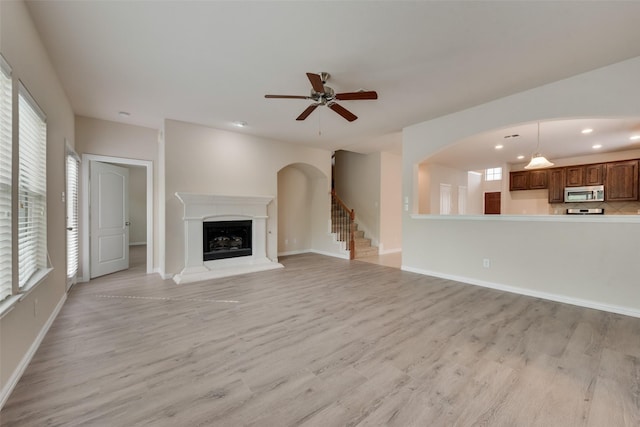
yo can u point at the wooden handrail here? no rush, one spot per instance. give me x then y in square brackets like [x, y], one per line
[350, 225]
[352, 213]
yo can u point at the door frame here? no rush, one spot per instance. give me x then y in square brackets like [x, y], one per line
[87, 159]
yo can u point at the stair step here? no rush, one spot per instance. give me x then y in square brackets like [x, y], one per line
[359, 234]
[362, 243]
[366, 252]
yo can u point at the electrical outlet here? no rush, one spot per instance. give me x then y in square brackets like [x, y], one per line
[486, 263]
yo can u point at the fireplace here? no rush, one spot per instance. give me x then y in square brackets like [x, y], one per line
[224, 236]
[226, 239]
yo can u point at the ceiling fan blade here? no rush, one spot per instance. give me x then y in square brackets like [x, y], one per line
[348, 115]
[352, 96]
[316, 82]
[308, 111]
[287, 96]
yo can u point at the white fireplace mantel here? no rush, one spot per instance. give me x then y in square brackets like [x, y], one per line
[208, 207]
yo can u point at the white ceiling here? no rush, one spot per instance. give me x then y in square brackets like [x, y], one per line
[212, 62]
[558, 139]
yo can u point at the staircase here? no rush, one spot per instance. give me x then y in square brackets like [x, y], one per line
[363, 245]
[346, 230]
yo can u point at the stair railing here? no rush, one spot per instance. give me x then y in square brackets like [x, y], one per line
[342, 222]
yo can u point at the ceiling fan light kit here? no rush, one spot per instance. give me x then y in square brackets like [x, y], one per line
[324, 95]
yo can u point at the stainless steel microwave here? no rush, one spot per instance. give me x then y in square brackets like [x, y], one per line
[584, 194]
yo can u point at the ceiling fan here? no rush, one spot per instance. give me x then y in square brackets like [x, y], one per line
[324, 95]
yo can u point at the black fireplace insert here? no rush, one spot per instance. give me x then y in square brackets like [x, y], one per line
[226, 239]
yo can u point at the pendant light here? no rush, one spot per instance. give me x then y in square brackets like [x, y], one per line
[538, 161]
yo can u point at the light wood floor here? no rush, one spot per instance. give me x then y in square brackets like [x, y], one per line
[393, 259]
[326, 342]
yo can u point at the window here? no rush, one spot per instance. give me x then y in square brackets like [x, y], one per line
[73, 167]
[493, 174]
[6, 97]
[32, 188]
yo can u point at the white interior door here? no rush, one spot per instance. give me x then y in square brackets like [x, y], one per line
[109, 218]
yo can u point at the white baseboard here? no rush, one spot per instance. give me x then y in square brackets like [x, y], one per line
[627, 311]
[389, 251]
[163, 276]
[314, 251]
[332, 254]
[298, 252]
[22, 366]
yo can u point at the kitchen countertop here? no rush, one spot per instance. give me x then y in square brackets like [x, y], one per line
[534, 218]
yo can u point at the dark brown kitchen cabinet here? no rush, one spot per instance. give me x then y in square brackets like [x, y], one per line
[556, 185]
[594, 174]
[621, 181]
[581, 175]
[574, 176]
[528, 180]
[519, 180]
[538, 179]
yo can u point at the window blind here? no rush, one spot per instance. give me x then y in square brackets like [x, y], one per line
[6, 97]
[73, 167]
[32, 188]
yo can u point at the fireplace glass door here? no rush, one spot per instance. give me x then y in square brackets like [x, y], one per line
[226, 239]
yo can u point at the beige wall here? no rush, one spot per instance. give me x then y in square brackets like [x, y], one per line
[199, 159]
[303, 203]
[584, 263]
[371, 184]
[294, 210]
[390, 202]
[23, 50]
[439, 174]
[105, 138]
[423, 189]
[357, 183]
[532, 257]
[475, 202]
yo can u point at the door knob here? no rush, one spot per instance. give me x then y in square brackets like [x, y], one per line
[127, 223]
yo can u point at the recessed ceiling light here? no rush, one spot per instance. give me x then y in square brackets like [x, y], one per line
[499, 147]
[597, 146]
[520, 157]
[587, 130]
[124, 113]
[635, 137]
[239, 124]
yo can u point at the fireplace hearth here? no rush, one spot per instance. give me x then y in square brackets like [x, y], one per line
[226, 239]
